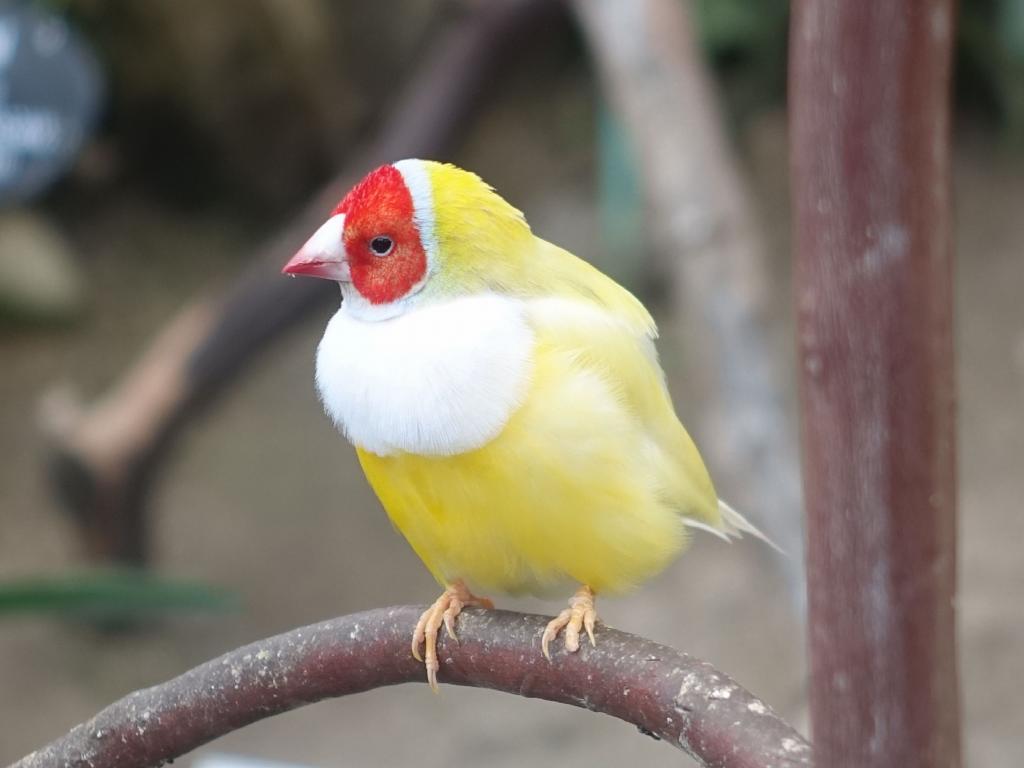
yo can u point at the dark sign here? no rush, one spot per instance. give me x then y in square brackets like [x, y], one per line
[49, 96]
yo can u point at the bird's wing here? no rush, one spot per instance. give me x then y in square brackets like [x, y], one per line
[564, 275]
[609, 333]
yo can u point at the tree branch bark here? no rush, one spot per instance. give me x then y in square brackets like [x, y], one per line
[665, 693]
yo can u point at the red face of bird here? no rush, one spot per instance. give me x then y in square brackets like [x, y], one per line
[379, 238]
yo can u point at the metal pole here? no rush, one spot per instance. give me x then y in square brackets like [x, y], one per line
[869, 97]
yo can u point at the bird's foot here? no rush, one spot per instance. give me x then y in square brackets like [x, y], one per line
[444, 611]
[580, 615]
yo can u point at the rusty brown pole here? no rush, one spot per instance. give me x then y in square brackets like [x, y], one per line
[869, 95]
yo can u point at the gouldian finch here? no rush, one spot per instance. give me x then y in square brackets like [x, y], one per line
[504, 398]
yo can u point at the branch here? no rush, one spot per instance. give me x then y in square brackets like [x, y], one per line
[665, 693]
[107, 454]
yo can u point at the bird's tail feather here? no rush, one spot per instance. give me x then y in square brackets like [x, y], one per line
[733, 526]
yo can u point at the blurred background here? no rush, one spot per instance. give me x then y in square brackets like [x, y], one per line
[169, 487]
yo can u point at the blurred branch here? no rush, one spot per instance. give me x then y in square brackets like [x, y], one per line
[711, 245]
[665, 693]
[107, 454]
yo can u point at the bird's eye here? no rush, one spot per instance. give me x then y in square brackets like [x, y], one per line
[381, 245]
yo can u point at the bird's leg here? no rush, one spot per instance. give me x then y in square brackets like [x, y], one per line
[444, 611]
[581, 614]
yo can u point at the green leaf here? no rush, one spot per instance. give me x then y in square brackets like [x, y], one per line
[1010, 28]
[621, 201]
[744, 25]
[113, 595]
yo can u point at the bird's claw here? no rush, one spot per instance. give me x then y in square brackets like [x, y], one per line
[445, 610]
[580, 615]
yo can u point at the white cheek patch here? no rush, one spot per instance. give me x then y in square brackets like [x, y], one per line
[417, 180]
[440, 380]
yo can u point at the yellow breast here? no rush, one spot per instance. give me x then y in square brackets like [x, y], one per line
[588, 481]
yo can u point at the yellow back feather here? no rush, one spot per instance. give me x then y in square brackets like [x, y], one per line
[486, 244]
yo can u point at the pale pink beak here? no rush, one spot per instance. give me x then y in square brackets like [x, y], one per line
[323, 255]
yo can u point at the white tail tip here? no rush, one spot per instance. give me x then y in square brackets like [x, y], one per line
[733, 526]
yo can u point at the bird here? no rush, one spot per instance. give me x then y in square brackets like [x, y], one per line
[505, 401]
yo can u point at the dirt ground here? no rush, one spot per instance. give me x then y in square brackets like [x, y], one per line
[262, 497]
